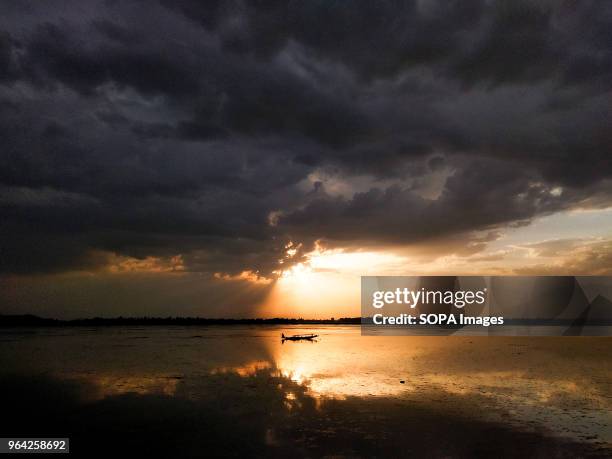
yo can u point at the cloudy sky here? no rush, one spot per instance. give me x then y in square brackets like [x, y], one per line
[247, 158]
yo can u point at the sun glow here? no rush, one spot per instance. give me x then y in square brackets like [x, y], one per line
[341, 261]
[298, 272]
[326, 282]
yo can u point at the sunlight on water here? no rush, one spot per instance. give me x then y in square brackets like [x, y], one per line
[339, 365]
[560, 384]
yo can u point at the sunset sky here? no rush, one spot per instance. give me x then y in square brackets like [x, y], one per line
[242, 159]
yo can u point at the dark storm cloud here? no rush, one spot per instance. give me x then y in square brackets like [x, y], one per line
[398, 215]
[374, 39]
[53, 55]
[196, 128]
[7, 65]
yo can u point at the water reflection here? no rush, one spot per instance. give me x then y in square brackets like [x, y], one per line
[326, 395]
[106, 385]
[346, 364]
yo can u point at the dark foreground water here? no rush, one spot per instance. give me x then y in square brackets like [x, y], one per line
[238, 391]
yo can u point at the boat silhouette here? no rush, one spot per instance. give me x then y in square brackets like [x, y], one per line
[307, 337]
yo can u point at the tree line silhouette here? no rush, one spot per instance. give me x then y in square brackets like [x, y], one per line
[29, 320]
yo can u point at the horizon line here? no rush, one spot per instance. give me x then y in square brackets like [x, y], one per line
[31, 319]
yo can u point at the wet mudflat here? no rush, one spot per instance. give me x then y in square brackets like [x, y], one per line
[236, 391]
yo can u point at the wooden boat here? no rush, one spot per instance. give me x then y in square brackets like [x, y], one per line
[309, 337]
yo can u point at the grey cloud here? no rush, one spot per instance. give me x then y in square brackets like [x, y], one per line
[503, 193]
[180, 130]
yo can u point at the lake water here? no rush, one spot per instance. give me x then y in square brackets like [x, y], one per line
[240, 391]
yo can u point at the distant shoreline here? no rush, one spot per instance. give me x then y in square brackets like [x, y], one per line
[28, 320]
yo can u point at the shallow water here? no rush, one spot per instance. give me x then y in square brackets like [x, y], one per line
[239, 390]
